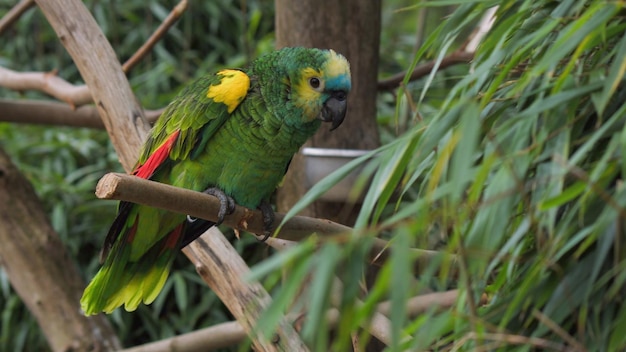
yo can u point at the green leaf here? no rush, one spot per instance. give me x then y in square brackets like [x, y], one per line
[567, 195]
[180, 290]
[401, 265]
[316, 329]
[298, 274]
[465, 153]
[614, 79]
[324, 185]
[281, 259]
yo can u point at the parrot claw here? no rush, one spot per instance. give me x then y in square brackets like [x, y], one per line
[268, 219]
[227, 204]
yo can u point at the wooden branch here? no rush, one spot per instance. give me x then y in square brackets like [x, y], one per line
[169, 21]
[457, 57]
[42, 272]
[57, 87]
[99, 67]
[47, 82]
[124, 122]
[246, 300]
[137, 190]
[55, 113]
[415, 305]
[14, 14]
[231, 333]
[200, 205]
[463, 55]
[204, 206]
[207, 339]
[482, 28]
[378, 325]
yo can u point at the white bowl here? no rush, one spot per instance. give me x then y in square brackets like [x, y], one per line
[320, 162]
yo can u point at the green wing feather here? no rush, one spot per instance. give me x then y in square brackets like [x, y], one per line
[227, 131]
[143, 241]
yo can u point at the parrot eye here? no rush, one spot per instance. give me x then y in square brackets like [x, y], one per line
[314, 82]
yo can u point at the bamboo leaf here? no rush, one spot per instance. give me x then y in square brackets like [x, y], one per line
[614, 78]
[315, 327]
[567, 195]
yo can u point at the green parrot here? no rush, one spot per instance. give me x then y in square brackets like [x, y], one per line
[231, 134]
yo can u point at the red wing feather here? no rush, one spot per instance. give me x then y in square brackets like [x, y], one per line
[146, 169]
[173, 238]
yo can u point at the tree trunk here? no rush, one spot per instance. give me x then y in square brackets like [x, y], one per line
[352, 28]
[41, 271]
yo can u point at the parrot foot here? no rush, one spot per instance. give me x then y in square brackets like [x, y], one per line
[268, 219]
[227, 204]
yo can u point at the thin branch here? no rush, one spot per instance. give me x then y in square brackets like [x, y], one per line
[540, 343]
[482, 28]
[55, 113]
[100, 69]
[457, 57]
[207, 339]
[231, 333]
[14, 14]
[212, 253]
[57, 87]
[463, 55]
[47, 82]
[169, 21]
[197, 204]
[558, 330]
[203, 206]
[421, 304]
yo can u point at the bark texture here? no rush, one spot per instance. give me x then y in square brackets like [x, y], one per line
[246, 300]
[352, 28]
[41, 271]
[98, 65]
[127, 128]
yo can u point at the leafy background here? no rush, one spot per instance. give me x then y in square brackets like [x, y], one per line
[513, 163]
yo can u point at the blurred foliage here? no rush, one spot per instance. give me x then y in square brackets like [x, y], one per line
[516, 170]
[513, 164]
[64, 164]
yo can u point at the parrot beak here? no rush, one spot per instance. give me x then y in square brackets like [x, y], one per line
[334, 109]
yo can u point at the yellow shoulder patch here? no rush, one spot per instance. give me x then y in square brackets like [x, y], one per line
[231, 89]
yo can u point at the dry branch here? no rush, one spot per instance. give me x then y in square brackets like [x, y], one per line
[207, 339]
[200, 205]
[55, 113]
[457, 57]
[123, 119]
[169, 21]
[47, 82]
[482, 28]
[246, 300]
[94, 57]
[464, 54]
[197, 204]
[57, 87]
[231, 333]
[14, 14]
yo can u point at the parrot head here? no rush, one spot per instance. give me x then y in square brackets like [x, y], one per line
[316, 84]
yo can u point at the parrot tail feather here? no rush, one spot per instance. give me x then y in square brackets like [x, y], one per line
[122, 282]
